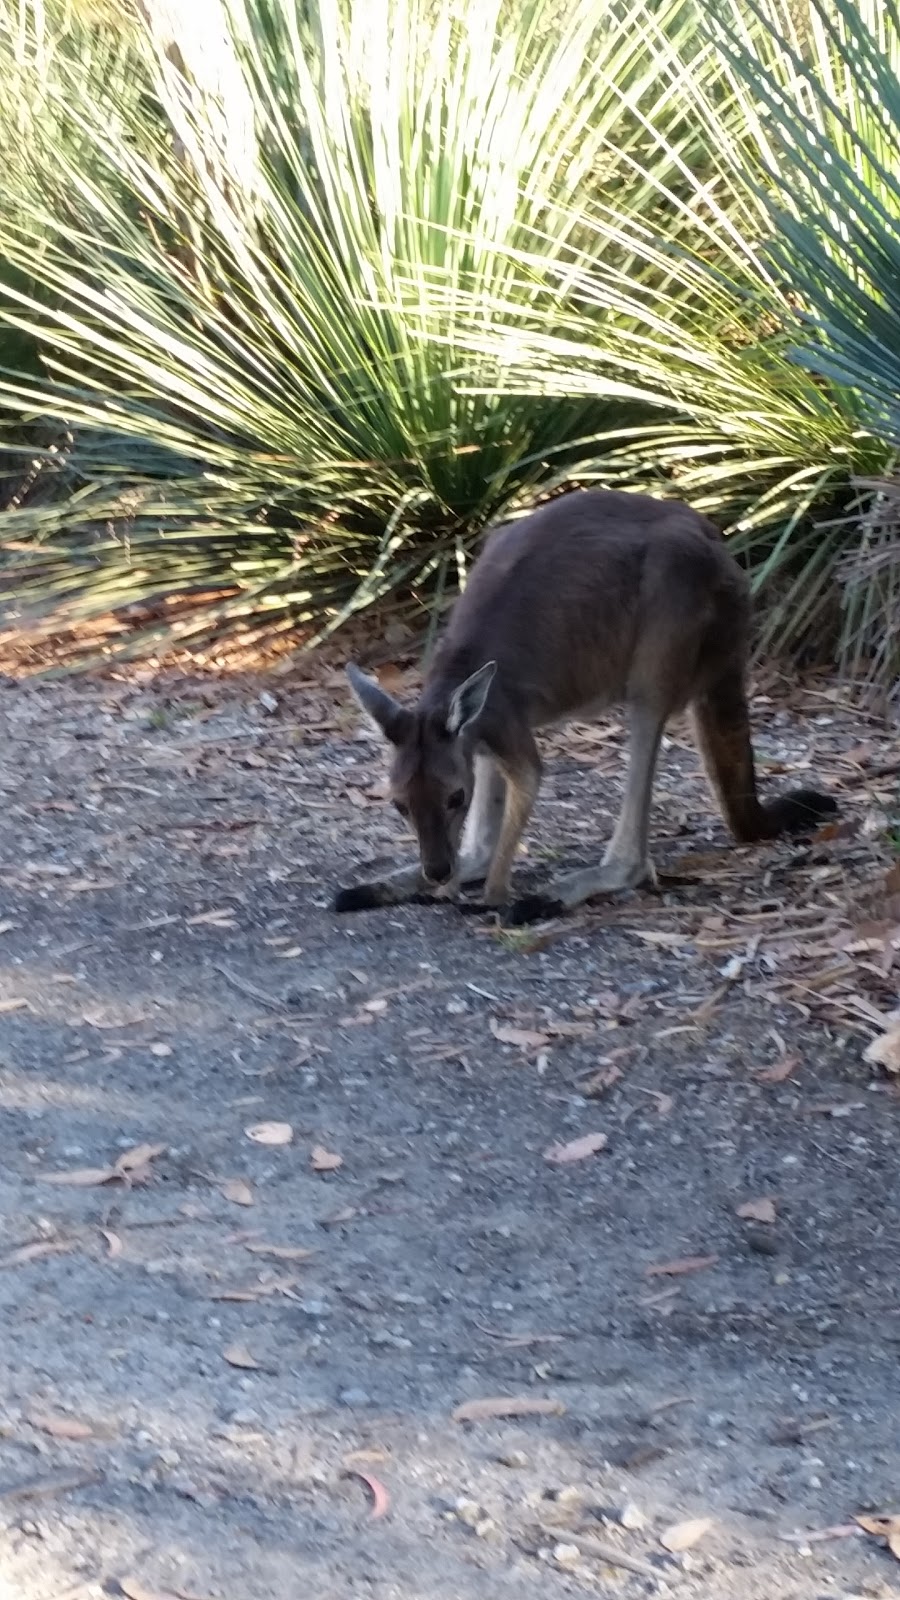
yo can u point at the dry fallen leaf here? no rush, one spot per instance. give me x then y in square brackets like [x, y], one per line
[281, 1252]
[322, 1160]
[238, 1191]
[682, 1535]
[757, 1210]
[81, 1177]
[237, 1355]
[885, 1051]
[576, 1149]
[797, 1430]
[160, 1049]
[887, 1528]
[270, 1133]
[114, 1243]
[140, 1156]
[258, 1291]
[60, 1427]
[675, 1269]
[779, 1070]
[37, 1251]
[522, 1405]
[15, 1005]
[380, 1497]
[525, 1038]
[599, 1082]
[391, 677]
[224, 916]
[838, 1530]
[664, 1102]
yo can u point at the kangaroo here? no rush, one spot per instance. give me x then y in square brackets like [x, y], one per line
[597, 599]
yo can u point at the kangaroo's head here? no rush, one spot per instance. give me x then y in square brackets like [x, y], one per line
[431, 771]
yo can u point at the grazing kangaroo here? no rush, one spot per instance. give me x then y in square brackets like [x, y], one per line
[596, 599]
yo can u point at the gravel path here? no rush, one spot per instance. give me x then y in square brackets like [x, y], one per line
[223, 1355]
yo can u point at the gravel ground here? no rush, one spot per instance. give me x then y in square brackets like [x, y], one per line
[232, 1366]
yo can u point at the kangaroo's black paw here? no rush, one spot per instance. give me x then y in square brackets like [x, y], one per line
[802, 811]
[471, 908]
[363, 897]
[531, 908]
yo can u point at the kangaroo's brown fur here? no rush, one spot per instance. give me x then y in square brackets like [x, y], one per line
[596, 599]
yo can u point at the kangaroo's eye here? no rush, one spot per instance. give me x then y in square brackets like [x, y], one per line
[456, 800]
[403, 809]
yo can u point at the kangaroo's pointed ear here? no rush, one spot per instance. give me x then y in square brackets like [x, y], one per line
[469, 698]
[392, 719]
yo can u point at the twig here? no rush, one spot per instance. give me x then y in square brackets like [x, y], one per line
[250, 989]
[43, 1488]
[830, 1156]
[155, 1222]
[590, 1546]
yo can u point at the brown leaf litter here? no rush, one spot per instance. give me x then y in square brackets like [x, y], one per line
[132, 1167]
[522, 1405]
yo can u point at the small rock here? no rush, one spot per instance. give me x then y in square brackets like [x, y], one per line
[761, 1241]
[385, 1340]
[632, 1517]
[168, 1457]
[566, 1555]
[314, 1308]
[485, 1527]
[355, 1398]
[516, 1459]
[469, 1512]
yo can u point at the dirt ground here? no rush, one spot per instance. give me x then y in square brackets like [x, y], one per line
[231, 1367]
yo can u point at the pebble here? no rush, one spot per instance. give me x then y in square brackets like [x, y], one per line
[469, 1512]
[632, 1517]
[761, 1242]
[566, 1555]
[354, 1398]
[385, 1340]
[571, 1495]
[513, 1458]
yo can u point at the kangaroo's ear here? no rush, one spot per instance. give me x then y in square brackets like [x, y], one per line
[391, 719]
[469, 698]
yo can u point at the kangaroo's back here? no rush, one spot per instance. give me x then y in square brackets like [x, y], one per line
[590, 595]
